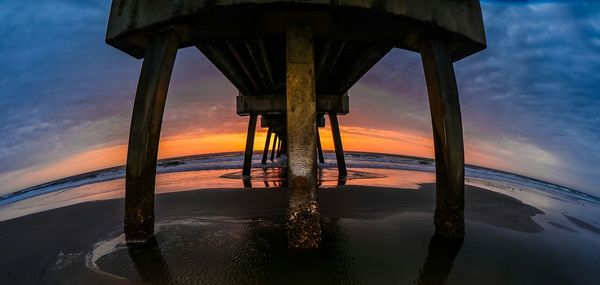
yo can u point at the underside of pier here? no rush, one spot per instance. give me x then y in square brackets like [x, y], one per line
[294, 63]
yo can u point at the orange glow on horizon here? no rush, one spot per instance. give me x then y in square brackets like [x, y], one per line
[354, 139]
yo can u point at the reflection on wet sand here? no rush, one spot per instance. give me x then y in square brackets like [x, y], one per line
[440, 257]
[280, 263]
[373, 233]
[361, 225]
[277, 177]
[149, 262]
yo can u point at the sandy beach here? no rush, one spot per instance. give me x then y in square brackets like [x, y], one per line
[371, 235]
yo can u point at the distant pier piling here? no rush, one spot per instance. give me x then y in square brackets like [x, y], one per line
[293, 62]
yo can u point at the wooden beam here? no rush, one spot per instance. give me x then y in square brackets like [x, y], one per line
[304, 230]
[337, 143]
[144, 136]
[447, 138]
[266, 149]
[249, 145]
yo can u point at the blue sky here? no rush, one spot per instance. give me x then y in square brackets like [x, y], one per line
[530, 101]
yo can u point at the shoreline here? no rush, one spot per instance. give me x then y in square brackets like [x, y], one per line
[167, 161]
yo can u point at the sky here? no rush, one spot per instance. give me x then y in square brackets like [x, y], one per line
[530, 102]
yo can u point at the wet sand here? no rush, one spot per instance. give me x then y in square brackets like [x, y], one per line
[371, 235]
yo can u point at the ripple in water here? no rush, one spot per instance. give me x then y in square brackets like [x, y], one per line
[226, 252]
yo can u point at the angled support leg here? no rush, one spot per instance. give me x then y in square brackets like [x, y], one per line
[266, 150]
[279, 147]
[249, 145]
[274, 147]
[447, 137]
[304, 230]
[337, 143]
[144, 136]
[319, 148]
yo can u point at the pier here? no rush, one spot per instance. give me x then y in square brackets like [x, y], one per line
[294, 63]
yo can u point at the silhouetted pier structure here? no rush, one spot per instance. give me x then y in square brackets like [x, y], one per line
[294, 62]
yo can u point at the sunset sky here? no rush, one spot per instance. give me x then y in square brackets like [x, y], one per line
[530, 102]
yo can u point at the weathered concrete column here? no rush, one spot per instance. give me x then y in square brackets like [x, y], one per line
[144, 136]
[447, 137]
[274, 146]
[304, 230]
[319, 148]
[266, 150]
[249, 145]
[337, 143]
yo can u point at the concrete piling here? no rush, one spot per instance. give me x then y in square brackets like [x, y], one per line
[266, 49]
[266, 149]
[249, 145]
[304, 229]
[339, 148]
[144, 136]
[447, 138]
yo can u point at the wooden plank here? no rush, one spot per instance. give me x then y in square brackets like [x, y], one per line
[447, 138]
[144, 136]
[304, 229]
[249, 145]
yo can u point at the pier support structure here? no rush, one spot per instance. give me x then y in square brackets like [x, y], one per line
[319, 148]
[292, 62]
[249, 145]
[266, 149]
[304, 229]
[275, 138]
[447, 138]
[144, 136]
[337, 143]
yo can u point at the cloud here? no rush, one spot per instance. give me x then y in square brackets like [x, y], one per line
[529, 99]
[534, 86]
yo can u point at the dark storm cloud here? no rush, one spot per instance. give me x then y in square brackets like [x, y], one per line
[536, 84]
